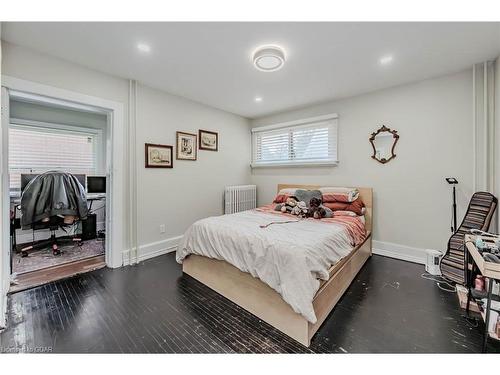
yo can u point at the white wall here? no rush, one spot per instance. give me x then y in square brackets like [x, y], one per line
[30, 65]
[412, 202]
[176, 197]
[192, 189]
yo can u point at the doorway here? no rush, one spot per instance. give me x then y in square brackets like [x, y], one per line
[45, 140]
[39, 115]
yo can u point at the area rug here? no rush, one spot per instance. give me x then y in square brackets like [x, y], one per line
[44, 258]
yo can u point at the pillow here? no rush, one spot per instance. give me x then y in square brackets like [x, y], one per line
[280, 198]
[283, 195]
[339, 194]
[358, 207]
[344, 213]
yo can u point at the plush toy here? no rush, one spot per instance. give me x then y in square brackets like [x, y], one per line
[300, 209]
[317, 210]
[288, 206]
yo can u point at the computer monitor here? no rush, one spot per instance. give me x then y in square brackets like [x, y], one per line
[26, 179]
[96, 184]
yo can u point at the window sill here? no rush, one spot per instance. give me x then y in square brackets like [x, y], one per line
[299, 165]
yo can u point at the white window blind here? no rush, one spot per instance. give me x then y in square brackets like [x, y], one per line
[304, 142]
[37, 150]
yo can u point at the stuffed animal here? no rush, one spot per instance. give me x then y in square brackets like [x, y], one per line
[300, 209]
[317, 210]
[288, 206]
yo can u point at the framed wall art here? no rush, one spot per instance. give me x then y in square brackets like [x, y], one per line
[208, 140]
[186, 146]
[158, 156]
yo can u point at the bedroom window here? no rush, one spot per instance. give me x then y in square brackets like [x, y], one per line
[307, 142]
[38, 149]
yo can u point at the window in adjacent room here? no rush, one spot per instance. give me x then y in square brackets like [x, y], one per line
[298, 143]
[38, 149]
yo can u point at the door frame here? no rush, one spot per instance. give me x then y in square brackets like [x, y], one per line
[4, 209]
[116, 225]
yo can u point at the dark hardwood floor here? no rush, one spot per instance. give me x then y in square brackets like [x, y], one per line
[45, 275]
[153, 308]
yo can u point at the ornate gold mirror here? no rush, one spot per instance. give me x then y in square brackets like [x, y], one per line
[383, 142]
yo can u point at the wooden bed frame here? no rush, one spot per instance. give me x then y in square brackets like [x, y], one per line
[258, 298]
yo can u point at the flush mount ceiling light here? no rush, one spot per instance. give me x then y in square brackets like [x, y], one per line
[258, 99]
[269, 58]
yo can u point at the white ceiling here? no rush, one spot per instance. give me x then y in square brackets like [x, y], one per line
[211, 62]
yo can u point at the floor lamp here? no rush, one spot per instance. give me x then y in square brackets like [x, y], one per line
[453, 181]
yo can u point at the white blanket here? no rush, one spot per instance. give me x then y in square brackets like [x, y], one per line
[288, 257]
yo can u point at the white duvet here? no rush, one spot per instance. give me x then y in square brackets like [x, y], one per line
[288, 257]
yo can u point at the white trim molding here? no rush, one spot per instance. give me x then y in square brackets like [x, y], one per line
[387, 249]
[116, 225]
[402, 252]
[4, 206]
[152, 250]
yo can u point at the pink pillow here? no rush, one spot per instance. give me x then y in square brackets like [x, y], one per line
[281, 198]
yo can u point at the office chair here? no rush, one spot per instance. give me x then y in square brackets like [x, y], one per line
[54, 223]
[53, 200]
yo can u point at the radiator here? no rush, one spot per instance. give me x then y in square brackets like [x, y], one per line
[239, 198]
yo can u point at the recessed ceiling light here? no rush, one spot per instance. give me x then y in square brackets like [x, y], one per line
[143, 47]
[384, 60]
[258, 99]
[269, 58]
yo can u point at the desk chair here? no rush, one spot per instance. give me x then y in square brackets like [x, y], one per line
[54, 223]
[52, 200]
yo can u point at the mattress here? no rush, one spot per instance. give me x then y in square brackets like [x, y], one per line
[335, 267]
[290, 255]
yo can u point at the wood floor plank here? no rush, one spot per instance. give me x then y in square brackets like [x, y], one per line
[47, 275]
[153, 308]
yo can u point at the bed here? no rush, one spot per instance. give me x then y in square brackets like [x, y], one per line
[266, 302]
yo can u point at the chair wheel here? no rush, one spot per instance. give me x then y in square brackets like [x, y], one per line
[24, 254]
[55, 250]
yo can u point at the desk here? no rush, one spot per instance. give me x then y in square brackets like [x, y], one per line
[94, 197]
[487, 269]
[15, 198]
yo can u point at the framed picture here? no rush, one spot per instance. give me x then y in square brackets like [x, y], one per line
[186, 146]
[209, 140]
[159, 156]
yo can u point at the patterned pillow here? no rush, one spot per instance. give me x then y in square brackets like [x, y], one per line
[339, 194]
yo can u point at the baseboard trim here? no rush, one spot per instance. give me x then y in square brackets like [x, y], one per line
[402, 252]
[153, 249]
[387, 249]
